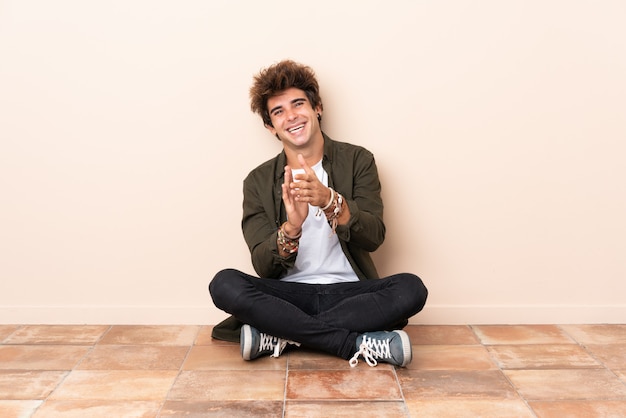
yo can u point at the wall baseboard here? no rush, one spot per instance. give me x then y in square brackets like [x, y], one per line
[209, 315]
[111, 315]
[520, 314]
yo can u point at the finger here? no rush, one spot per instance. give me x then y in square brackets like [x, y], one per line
[296, 195]
[286, 186]
[286, 196]
[308, 170]
[302, 161]
[288, 175]
[289, 181]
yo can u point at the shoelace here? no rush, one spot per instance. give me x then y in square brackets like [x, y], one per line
[280, 346]
[371, 349]
[269, 342]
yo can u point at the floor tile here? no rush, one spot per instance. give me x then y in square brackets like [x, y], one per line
[28, 385]
[469, 408]
[229, 385]
[542, 356]
[6, 331]
[451, 357]
[441, 334]
[579, 409]
[612, 356]
[338, 384]
[115, 385]
[345, 409]
[227, 409]
[204, 338]
[597, 334]
[41, 357]
[157, 335]
[580, 384]
[223, 357]
[98, 409]
[18, 409]
[173, 371]
[304, 359]
[452, 384]
[134, 357]
[57, 334]
[521, 334]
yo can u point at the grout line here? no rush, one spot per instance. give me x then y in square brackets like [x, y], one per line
[180, 369]
[499, 366]
[93, 346]
[395, 374]
[17, 328]
[68, 372]
[285, 387]
[104, 334]
[593, 356]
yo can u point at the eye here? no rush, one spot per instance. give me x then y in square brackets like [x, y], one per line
[277, 112]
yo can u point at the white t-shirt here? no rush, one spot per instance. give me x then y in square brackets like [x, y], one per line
[320, 259]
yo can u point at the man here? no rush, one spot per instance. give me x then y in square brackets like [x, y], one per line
[311, 217]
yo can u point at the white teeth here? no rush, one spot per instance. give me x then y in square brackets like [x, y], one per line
[297, 128]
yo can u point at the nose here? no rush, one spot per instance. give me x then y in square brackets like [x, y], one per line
[291, 115]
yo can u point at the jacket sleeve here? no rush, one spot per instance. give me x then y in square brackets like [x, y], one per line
[362, 190]
[260, 224]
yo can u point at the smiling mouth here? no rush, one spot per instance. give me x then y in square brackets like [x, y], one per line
[295, 129]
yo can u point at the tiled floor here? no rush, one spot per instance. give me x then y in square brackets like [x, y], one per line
[175, 371]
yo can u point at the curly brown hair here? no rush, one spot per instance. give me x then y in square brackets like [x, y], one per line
[279, 77]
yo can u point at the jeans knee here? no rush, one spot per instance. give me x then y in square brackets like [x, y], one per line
[419, 290]
[223, 288]
[414, 286]
[215, 283]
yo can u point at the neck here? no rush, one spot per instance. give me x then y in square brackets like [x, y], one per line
[312, 154]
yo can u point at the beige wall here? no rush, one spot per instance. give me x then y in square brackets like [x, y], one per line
[498, 126]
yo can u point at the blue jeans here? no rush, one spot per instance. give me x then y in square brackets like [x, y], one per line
[325, 317]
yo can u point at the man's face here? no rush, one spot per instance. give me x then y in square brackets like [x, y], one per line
[293, 117]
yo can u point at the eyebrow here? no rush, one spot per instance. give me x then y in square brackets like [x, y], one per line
[294, 101]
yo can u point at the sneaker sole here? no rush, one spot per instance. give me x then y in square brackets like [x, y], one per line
[406, 347]
[246, 342]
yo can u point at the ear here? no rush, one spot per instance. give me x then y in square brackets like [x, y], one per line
[271, 129]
